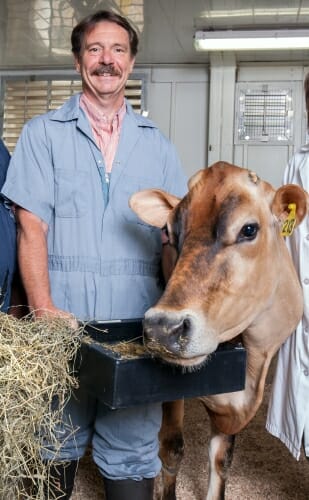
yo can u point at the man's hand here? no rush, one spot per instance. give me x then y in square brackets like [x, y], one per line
[53, 312]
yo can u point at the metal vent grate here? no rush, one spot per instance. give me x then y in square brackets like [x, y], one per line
[264, 115]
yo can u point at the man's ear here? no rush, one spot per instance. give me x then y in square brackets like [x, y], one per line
[285, 197]
[132, 64]
[153, 206]
[77, 63]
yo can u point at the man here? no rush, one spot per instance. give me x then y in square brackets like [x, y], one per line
[81, 250]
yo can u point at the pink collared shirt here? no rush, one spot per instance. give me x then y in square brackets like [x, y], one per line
[106, 133]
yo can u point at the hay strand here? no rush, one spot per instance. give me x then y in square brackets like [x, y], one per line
[36, 359]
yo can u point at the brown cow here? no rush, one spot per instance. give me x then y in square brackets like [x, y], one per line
[233, 277]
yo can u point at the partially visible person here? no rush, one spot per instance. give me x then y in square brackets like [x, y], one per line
[82, 251]
[7, 238]
[288, 412]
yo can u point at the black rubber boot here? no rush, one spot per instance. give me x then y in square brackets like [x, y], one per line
[127, 489]
[60, 481]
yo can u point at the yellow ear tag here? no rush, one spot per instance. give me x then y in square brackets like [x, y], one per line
[290, 221]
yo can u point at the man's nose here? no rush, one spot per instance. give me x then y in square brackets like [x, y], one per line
[106, 56]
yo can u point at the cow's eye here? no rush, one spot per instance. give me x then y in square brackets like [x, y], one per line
[248, 232]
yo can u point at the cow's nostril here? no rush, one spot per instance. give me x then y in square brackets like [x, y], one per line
[180, 331]
[167, 333]
[186, 324]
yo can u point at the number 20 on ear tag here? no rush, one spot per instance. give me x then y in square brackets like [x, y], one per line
[290, 221]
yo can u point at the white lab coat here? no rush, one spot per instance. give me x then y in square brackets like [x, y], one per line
[288, 412]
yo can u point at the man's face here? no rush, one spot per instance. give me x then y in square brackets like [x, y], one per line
[105, 61]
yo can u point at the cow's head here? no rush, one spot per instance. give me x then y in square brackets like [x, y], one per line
[229, 255]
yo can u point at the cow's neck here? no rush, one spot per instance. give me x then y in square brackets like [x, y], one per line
[232, 412]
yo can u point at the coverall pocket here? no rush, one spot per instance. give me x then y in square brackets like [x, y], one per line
[71, 188]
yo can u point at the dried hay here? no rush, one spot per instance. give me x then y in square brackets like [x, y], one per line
[36, 360]
[127, 349]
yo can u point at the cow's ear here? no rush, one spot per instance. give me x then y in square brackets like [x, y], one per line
[153, 206]
[290, 197]
[195, 178]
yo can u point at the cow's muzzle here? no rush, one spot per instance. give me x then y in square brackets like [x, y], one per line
[179, 337]
[168, 335]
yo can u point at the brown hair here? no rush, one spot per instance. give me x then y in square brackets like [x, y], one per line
[306, 89]
[89, 22]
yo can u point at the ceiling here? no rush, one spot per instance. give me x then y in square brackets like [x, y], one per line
[36, 33]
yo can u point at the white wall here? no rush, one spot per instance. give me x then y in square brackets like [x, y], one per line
[177, 100]
[221, 108]
[268, 160]
[195, 107]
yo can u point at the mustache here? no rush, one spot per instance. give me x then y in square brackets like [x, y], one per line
[104, 69]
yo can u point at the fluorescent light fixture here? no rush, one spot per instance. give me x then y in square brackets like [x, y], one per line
[251, 40]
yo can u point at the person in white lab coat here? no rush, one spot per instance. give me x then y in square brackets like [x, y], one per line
[288, 412]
